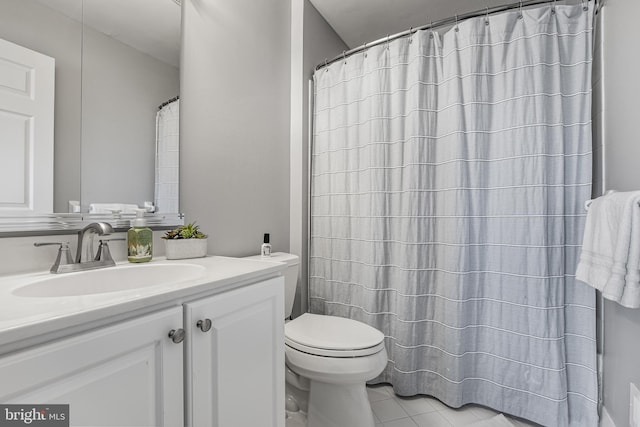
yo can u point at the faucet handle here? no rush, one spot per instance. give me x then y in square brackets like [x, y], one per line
[38, 244]
[64, 254]
[104, 254]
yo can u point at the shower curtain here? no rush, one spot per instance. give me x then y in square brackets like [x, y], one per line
[449, 175]
[167, 158]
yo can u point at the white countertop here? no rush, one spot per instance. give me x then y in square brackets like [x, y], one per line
[24, 318]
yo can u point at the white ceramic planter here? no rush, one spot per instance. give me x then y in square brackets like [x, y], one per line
[185, 248]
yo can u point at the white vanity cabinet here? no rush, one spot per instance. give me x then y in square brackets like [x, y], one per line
[227, 372]
[128, 374]
[234, 358]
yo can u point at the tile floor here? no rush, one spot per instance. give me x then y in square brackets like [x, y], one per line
[390, 410]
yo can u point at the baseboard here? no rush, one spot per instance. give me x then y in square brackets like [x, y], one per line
[605, 419]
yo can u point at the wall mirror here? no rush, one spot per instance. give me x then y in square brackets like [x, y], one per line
[112, 148]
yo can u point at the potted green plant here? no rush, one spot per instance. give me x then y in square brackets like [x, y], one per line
[186, 241]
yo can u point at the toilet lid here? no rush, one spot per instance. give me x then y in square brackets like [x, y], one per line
[332, 336]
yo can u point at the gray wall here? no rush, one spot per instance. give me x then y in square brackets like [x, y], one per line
[235, 99]
[122, 89]
[38, 28]
[312, 40]
[621, 113]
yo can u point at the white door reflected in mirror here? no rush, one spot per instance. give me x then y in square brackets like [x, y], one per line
[27, 87]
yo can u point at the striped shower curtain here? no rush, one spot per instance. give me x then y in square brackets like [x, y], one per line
[449, 176]
[167, 184]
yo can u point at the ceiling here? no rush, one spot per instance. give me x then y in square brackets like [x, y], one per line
[153, 26]
[361, 21]
[150, 26]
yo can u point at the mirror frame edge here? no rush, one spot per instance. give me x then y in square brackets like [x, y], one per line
[53, 224]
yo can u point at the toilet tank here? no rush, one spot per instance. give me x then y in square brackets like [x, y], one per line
[290, 276]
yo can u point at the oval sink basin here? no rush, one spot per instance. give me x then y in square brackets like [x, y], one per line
[112, 279]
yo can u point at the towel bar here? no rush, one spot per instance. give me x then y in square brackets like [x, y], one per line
[588, 202]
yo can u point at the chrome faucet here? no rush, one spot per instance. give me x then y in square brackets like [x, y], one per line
[100, 228]
[65, 263]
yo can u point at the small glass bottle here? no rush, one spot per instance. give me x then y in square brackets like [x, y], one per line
[266, 246]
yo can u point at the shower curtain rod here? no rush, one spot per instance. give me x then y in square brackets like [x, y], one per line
[175, 98]
[447, 21]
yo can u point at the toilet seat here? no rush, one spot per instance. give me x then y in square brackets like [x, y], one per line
[332, 336]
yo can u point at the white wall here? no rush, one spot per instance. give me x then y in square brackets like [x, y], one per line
[621, 113]
[312, 40]
[235, 99]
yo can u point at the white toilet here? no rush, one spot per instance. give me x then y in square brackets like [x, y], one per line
[329, 360]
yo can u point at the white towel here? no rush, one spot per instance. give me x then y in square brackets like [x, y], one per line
[610, 257]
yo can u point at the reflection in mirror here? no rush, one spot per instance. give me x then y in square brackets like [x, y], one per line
[32, 25]
[130, 67]
[113, 80]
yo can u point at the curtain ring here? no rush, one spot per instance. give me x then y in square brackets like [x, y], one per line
[326, 66]
[365, 50]
[584, 6]
[387, 41]
[520, 10]
[410, 35]
[486, 19]
[457, 29]
[553, 7]
[344, 56]
[431, 29]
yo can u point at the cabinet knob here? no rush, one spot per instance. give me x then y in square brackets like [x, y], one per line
[177, 336]
[204, 325]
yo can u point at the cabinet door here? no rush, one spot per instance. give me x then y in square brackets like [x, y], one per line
[235, 371]
[129, 374]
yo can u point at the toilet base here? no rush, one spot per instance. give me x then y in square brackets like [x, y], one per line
[339, 405]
